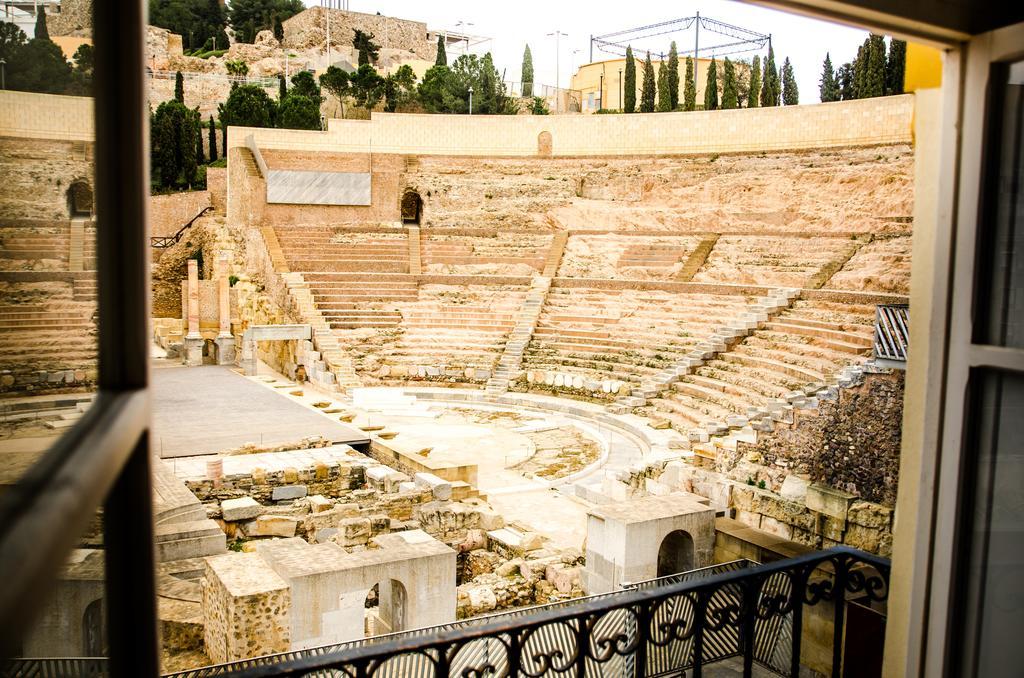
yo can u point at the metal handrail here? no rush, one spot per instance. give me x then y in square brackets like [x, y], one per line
[165, 241]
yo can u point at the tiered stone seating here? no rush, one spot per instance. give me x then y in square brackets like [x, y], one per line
[47, 344]
[461, 327]
[624, 335]
[773, 261]
[351, 300]
[468, 254]
[316, 248]
[807, 344]
[625, 256]
[880, 266]
[34, 246]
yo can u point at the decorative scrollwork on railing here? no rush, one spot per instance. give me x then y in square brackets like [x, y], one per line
[753, 614]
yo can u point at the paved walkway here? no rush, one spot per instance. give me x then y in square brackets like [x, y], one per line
[203, 410]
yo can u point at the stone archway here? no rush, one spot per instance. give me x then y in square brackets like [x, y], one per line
[676, 553]
[544, 144]
[412, 207]
[80, 199]
[94, 640]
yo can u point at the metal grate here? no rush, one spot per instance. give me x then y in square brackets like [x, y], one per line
[892, 332]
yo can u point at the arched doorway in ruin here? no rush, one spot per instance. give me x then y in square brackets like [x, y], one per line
[386, 607]
[676, 553]
[544, 144]
[94, 640]
[80, 199]
[412, 207]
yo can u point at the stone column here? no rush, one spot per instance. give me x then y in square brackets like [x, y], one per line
[225, 340]
[193, 340]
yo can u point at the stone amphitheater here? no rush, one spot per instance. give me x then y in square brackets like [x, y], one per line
[533, 341]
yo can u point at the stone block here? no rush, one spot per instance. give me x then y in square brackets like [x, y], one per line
[353, 531]
[867, 514]
[491, 520]
[394, 480]
[832, 528]
[829, 501]
[319, 503]
[794, 488]
[272, 526]
[563, 577]
[440, 488]
[867, 539]
[325, 534]
[776, 527]
[748, 518]
[289, 492]
[243, 508]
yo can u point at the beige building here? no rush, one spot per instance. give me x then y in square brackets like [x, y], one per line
[601, 82]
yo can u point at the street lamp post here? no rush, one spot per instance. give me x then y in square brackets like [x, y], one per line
[471, 100]
[558, 98]
[621, 107]
[3, 73]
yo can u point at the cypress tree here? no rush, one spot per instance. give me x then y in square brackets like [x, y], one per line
[689, 87]
[711, 88]
[874, 79]
[790, 92]
[629, 103]
[282, 88]
[895, 67]
[179, 87]
[828, 86]
[224, 137]
[859, 70]
[42, 32]
[213, 141]
[844, 81]
[673, 77]
[730, 97]
[664, 96]
[770, 81]
[647, 92]
[753, 98]
[442, 55]
[527, 78]
[197, 124]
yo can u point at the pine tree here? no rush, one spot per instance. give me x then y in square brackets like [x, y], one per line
[442, 55]
[213, 141]
[689, 87]
[629, 104]
[711, 88]
[179, 87]
[730, 98]
[42, 32]
[664, 96]
[828, 86]
[874, 77]
[770, 81]
[647, 92]
[895, 67]
[527, 78]
[673, 77]
[753, 98]
[790, 92]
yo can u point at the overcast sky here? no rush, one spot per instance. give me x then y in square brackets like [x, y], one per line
[511, 25]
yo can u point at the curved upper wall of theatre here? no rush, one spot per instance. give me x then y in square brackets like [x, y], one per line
[863, 122]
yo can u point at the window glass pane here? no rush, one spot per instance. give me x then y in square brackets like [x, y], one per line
[993, 581]
[48, 332]
[1001, 266]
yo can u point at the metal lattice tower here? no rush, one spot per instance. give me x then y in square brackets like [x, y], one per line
[738, 39]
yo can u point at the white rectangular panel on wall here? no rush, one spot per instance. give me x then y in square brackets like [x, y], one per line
[301, 187]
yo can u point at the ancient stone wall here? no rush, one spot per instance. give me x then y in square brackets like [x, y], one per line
[852, 443]
[309, 29]
[168, 213]
[74, 18]
[37, 175]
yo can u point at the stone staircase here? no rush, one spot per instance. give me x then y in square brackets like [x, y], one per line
[84, 289]
[76, 245]
[697, 258]
[554, 257]
[723, 337]
[334, 357]
[415, 257]
[835, 264]
[512, 357]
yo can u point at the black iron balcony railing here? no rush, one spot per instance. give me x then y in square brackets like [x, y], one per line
[749, 616]
[163, 242]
